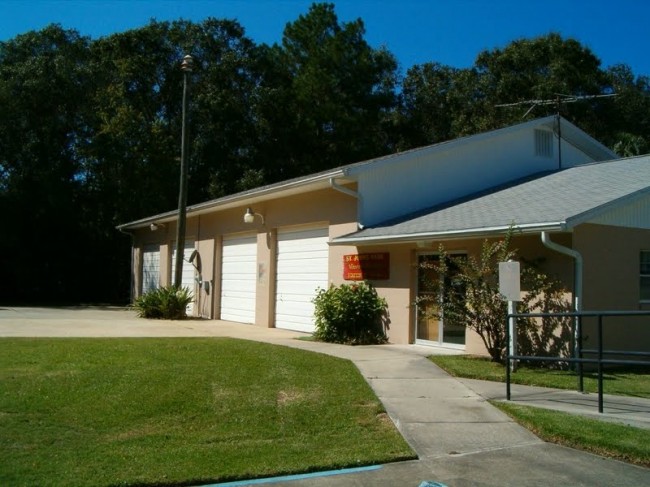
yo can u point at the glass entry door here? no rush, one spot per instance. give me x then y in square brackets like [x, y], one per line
[430, 327]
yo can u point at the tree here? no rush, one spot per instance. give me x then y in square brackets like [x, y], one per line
[467, 292]
[441, 103]
[328, 96]
[44, 81]
[138, 107]
[133, 155]
[539, 69]
[628, 117]
[428, 104]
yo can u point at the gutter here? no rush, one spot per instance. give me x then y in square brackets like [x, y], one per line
[546, 240]
[236, 199]
[350, 192]
[446, 235]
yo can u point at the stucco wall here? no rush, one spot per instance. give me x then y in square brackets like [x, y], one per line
[396, 290]
[400, 290]
[325, 208]
[611, 258]
[611, 282]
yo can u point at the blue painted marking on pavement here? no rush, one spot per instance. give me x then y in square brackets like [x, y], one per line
[303, 476]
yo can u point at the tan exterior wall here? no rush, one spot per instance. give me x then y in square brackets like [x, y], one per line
[612, 282]
[401, 289]
[611, 258]
[326, 208]
[396, 290]
[338, 212]
[611, 261]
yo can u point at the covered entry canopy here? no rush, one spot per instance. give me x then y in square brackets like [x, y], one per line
[611, 193]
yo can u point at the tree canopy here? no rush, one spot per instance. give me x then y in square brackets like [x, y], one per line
[90, 129]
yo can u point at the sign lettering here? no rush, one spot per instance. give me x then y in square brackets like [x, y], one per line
[375, 266]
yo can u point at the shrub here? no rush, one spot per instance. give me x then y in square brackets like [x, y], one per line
[166, 303]
[467, 291]
[351, 313]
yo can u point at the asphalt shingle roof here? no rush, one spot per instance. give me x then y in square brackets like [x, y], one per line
[563, 198]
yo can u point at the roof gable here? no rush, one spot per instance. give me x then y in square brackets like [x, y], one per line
[570, 133]
[350, 173]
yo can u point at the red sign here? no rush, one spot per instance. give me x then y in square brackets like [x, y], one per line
[357, 267]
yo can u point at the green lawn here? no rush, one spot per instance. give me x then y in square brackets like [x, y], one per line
[612, 440]
[181, 412]
[618, 382]
[607, 439]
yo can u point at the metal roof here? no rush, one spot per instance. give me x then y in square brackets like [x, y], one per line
[547, 201]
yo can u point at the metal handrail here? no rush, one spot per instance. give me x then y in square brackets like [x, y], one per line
[578, 351]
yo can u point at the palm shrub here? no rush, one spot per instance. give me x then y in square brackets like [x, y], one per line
[351, 313]
[165, 303]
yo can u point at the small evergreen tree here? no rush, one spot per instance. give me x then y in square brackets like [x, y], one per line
[467, 294]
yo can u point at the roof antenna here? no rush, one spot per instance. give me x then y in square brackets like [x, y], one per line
[557, 101]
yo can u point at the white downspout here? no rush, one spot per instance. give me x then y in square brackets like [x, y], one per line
[546, 240]
[349, 192]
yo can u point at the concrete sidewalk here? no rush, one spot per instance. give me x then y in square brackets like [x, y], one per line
[460, 439]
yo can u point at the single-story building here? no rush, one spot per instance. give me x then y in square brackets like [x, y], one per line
[262, 254]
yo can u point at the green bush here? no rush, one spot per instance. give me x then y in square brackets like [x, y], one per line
[351, 313]
[165, 303]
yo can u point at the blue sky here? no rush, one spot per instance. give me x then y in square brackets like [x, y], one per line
[450, 32]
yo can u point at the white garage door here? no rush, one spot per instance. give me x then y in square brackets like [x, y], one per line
[301, 270]
[187, 275]
[238, 279]
[150, 268]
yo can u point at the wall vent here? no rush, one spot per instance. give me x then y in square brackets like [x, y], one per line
[543, 143]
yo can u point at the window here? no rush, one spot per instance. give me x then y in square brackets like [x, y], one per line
[645, 275]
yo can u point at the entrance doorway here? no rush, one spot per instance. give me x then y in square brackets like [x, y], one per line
[431, 328]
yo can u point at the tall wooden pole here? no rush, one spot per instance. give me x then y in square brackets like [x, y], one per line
[186, 67]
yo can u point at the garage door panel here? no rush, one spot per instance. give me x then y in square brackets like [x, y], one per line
[302, 251]
[299, 285]
[297, 308]
[234, 264]
[300, 291]
[150, 268]
[242, 287]
[238, 279]
[298, 237]
[237, 272]
[302, 268]
[313, 264]
[240, 258]
[237, 304]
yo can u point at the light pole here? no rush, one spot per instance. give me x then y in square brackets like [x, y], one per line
[186, 67]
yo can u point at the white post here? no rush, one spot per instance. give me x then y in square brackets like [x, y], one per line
[512, 345]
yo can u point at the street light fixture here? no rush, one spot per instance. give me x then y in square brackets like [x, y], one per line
[186, 67]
